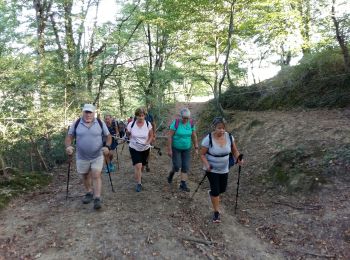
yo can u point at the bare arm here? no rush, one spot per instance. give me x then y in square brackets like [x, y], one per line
[195, 139]
[68, 140]
[109, 140]
[150, 136]
[204, 150]
[170, 141]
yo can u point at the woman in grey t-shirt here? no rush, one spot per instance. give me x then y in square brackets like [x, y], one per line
[215, 157]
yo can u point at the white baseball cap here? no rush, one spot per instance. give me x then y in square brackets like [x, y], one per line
[89, 107]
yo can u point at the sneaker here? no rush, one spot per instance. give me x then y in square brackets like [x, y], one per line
[170, 177]
[183, 187]
[216, 217]
[88, 198]
[138, 187]
[97, 203]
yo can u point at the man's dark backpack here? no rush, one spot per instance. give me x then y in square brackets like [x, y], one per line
[231, 159]
[78, 121]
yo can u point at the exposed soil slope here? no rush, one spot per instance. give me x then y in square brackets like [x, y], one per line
[162, 222]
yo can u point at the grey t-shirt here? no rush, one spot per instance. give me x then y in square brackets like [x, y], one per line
[218, 164]
[88, 139]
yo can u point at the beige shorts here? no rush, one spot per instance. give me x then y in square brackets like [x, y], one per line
[84, 166]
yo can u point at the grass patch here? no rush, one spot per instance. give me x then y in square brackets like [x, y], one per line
[20, 183]
[318, 81]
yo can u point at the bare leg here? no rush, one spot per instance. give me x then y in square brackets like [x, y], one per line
[138, 172]
[87, 180]
[97, 183]
[216, 202]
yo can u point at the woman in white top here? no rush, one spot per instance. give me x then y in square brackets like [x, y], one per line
[140, 134]
[215, 152]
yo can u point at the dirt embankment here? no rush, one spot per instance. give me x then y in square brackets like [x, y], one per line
[162, 222]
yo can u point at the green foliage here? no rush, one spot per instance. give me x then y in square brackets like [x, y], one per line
[318, 81]
[20, 183]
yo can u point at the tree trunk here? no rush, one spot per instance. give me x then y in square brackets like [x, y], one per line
[42, 10]
[304, 8]
[341, 39]
[225, 67]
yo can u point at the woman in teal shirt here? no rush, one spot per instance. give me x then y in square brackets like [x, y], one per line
[182, 134]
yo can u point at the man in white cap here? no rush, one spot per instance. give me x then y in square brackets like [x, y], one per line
[88, 132]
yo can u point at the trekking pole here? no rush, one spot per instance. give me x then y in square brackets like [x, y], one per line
[109, 174]
[200, 183]
[68, 174]
[240, 157]
[117, 160]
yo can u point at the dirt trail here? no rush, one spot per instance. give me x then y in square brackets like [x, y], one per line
[160, 222]
[163, 223]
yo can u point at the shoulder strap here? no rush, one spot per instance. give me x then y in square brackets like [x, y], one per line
[177, 122]
[76, 126]
[192, 123]
[210, 141]
[230, 136]
[100, 123]
[133, 123]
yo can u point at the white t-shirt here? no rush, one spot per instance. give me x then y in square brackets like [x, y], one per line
[219, 164]
[139, 136]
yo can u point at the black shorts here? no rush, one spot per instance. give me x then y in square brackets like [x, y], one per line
[139, 157]
[218, 183]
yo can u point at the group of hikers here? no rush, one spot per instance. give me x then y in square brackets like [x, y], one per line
[96, 140]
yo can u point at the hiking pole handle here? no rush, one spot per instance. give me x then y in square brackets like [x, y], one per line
[240, 157]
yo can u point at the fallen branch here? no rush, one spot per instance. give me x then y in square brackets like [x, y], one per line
[320, 255]
[318, 207]
[197, 240]
[205, 237]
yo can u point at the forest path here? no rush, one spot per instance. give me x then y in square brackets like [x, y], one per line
[159, 222]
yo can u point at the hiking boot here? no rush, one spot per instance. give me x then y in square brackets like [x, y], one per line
[183, 186]
[97, 203]
[171, 176]
[138, 187]
[88, 198]
[216, 217]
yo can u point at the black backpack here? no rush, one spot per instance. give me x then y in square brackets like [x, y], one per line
[230, 158]
[78, 121]
[133, 123]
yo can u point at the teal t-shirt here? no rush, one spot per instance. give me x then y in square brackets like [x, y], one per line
[182, 139]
